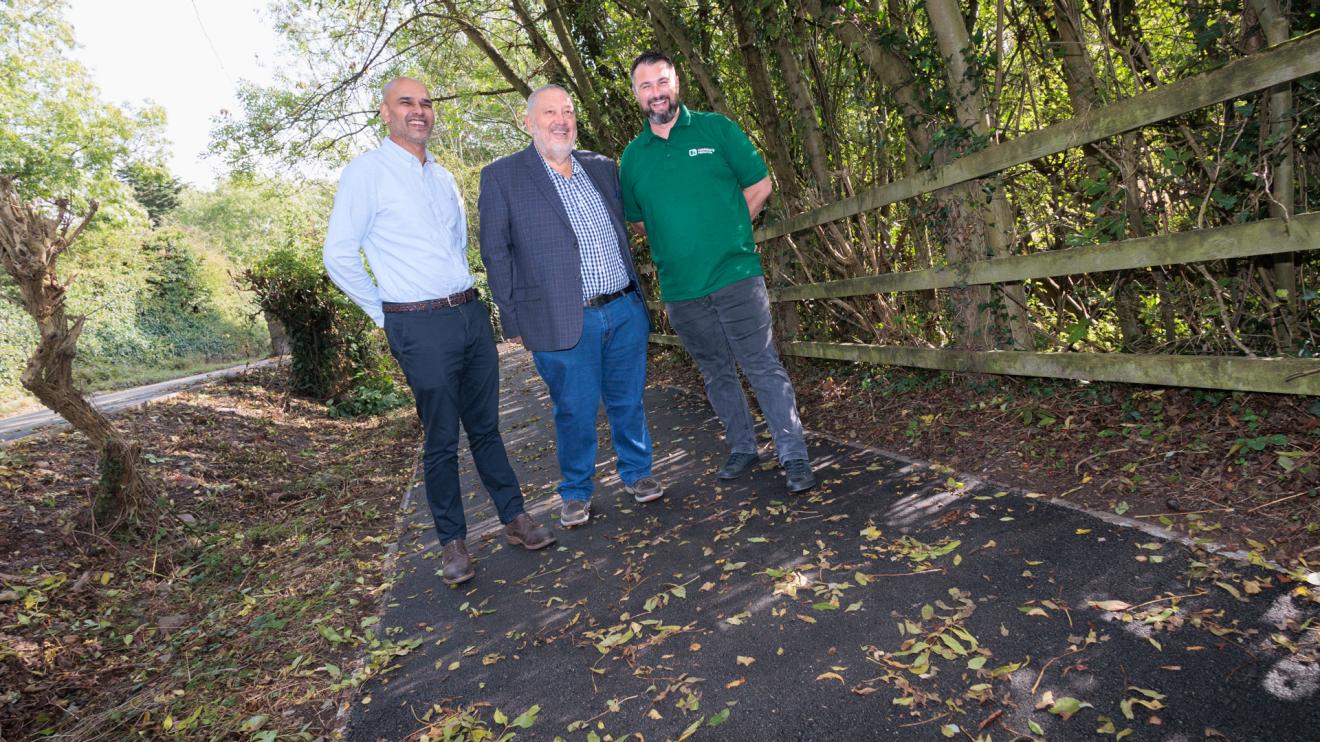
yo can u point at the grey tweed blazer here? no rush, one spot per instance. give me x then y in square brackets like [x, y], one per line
[531, 252]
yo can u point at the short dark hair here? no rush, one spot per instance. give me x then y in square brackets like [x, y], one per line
[650, 57]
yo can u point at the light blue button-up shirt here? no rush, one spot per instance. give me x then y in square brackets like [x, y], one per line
[409, 220]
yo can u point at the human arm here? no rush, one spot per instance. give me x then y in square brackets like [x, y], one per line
[350, 223]
[756, 195]
[496, 243]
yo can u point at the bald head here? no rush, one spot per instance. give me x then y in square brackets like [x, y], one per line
[407, 113]
[392, 84]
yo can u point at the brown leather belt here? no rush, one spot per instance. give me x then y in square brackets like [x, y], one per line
[596, 302]
[453, 300]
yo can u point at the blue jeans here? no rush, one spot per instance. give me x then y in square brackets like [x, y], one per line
[730, 328]
[453, 369]
[608, 363]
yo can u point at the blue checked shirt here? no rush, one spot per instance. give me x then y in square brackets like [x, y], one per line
[598, 243]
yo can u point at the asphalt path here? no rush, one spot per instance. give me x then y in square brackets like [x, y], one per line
[21, 426]
[895, 601]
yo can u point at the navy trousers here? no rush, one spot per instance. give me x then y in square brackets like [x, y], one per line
[451, 363]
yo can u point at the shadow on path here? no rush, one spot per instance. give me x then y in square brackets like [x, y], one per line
[891, 602]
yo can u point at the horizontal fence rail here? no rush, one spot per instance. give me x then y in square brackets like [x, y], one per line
[1277, 65]
[1279, 375]
[1274, 375]
[1264, 237]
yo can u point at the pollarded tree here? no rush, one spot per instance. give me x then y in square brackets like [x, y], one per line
[32, 238]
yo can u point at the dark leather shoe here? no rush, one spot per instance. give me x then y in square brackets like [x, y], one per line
[457, 565]
[738, 465]
[524, 531]
[800, 478]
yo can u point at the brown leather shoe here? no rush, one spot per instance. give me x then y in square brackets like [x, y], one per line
[457, 567]
[524, 531]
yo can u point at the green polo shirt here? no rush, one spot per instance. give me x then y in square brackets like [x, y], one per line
[688, 191]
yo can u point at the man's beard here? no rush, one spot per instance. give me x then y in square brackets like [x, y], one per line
[668, 115]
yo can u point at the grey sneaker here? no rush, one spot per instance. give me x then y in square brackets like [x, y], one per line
[738, 465]
[645, 489]
[800, 478]
[574, 513]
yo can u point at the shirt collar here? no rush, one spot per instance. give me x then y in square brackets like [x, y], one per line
[393, 150]
[555, 173]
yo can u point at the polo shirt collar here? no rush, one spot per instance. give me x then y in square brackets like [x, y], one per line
[684, 118]
[394, 151]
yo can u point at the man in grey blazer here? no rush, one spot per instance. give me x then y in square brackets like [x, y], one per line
[555, 249]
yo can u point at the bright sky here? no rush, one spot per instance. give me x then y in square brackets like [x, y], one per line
[184, 55]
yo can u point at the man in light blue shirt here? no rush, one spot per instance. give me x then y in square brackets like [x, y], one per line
[404, 211]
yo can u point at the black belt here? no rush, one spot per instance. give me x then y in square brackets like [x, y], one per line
[453, 300]
[597, 302]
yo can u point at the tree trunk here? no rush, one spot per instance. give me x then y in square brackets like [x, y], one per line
[476, 37]
[30, 244]
[279, 335]
[946, 21]
[557, 72]
[767, 113]
[804, 109]
[581, 79]
[674, 28]
[962, 230]
[1282, 202]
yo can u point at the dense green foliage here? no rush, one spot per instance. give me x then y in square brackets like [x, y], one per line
[845, 96]
[154, 272]
[336, 351]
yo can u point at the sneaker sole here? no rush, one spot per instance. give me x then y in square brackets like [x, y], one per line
[530, 547]
[574, 523]
[795, 491]
[644, 498]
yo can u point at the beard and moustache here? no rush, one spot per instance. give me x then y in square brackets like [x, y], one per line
[662, 117]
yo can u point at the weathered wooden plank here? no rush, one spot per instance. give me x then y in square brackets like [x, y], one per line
[1263, 237]
[1278, 375]
[1280, 64]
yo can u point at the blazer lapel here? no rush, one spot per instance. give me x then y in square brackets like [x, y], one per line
[531, 160]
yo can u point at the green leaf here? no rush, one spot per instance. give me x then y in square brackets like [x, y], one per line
[1035, 728]
[501, 718]
[527, 718]
[953, 644]
[1067, 706]
[719, 718]
[976, 663]
[691, 729]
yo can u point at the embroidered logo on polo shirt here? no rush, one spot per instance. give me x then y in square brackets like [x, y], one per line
[701, 151]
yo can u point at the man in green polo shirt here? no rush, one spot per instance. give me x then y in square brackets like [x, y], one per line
[692, 181]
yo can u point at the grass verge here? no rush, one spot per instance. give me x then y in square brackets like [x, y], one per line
[17, 401]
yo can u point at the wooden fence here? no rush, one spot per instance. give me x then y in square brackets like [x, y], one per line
[1278, 65]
